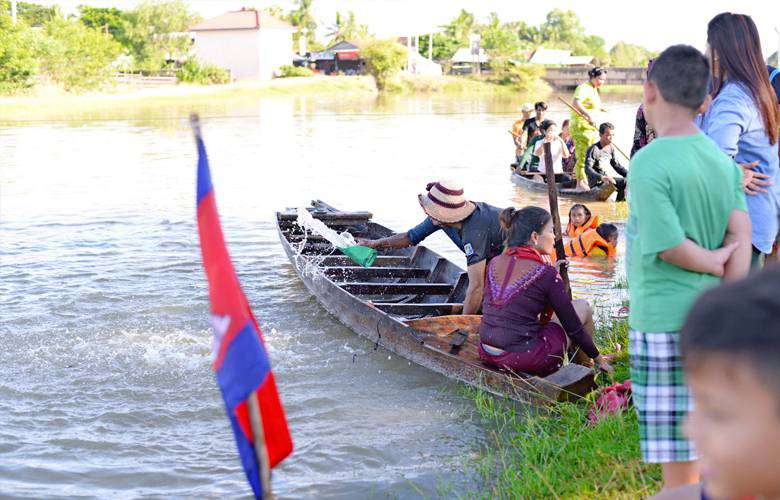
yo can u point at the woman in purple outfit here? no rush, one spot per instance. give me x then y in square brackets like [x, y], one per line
[522, 292]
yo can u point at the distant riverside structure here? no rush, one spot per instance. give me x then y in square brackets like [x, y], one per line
[558, 57]
[248, 43]
[341, 57]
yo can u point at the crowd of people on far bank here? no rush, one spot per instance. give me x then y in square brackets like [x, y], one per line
[703, 193]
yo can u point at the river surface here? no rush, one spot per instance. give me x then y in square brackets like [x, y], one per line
[106, 387]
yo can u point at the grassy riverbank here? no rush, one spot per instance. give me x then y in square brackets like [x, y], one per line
[556, 454]
[51, 103]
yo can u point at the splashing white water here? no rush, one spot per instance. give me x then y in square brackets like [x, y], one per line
[339, 240]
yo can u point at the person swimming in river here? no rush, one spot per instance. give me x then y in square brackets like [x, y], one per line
[472, 226]
[601, 241]
[518, 331]
[580, 220]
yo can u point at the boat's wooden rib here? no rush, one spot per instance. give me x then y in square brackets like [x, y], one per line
[368, 288]
[363, 273]
[406, 303]
[381, 261]
[601, 193]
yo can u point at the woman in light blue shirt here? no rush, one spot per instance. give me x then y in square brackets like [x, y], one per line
[743, 119]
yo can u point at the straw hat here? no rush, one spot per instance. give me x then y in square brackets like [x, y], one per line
[444, 201]
[527, 107]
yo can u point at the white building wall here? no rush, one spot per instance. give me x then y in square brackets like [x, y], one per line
[276, 49]
[236, 50]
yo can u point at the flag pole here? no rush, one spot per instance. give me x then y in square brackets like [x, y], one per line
[259, 445]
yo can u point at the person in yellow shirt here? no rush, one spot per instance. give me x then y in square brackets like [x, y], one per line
[583, 125]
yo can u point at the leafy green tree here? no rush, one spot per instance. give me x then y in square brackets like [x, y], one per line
[17, 57]
[384, 59]
[157, 32]
[109, 19]
[453, 36]
[302, 18]
[32, 14]
[626, 54]
[76, 56]
[347, 28]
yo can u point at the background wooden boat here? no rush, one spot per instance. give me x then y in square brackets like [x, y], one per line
[601, 193]
[408, 303]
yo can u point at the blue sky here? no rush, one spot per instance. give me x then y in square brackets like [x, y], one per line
[655, 24]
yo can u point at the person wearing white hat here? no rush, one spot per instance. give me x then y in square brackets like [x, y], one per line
[473, 226]
[521, 133]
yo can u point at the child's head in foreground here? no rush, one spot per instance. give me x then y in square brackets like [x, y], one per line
[678, 79]
[731, 348]
[609, 232]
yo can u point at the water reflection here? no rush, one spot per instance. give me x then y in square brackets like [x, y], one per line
[105, 381]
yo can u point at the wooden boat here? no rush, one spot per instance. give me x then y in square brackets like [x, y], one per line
[600, 193]
[408, 303]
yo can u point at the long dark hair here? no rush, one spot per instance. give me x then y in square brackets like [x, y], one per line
[733, 38]
[518, 225]
[584, 209]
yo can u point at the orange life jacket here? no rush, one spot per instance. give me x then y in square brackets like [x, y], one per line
[573, 232]
[588, 242]
[517, 128]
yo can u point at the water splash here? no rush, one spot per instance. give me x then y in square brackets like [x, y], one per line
[339, 240]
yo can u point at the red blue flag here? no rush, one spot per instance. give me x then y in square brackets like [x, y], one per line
[240, 359]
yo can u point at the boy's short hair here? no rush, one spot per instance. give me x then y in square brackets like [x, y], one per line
[541, 105]
[604, 126]
[607, 230]
[739, 320]
[546, 124]
[681, 73]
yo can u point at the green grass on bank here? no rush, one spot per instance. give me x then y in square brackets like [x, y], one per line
[556, 454]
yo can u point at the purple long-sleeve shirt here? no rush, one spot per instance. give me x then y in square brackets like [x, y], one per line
[510, 318]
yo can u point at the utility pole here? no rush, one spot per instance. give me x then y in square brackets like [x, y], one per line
[13, 12]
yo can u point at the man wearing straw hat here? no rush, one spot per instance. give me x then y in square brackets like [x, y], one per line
[473, 226]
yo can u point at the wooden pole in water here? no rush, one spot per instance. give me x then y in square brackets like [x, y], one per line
[583, 116]
[552, 193]
[259, 444]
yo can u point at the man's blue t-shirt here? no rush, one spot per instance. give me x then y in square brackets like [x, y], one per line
[480, 237]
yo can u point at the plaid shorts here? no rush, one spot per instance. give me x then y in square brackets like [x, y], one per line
[660, 396]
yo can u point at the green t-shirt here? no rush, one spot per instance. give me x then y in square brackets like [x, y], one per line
[680, 187]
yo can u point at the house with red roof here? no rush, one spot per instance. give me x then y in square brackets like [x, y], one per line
[249, 43]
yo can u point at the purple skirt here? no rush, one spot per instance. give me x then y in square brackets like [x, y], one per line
[543, 359]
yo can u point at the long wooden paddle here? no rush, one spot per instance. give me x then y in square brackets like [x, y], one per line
[552, 193]
[583, 116]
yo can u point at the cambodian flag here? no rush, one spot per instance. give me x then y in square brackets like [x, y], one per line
[240, 358]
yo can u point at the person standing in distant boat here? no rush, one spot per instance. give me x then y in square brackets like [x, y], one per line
[517, 131]
[532, 126]
[584, 131]
[473, 226]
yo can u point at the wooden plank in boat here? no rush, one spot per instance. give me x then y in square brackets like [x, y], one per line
[444, 325]
[418, 309]
[381, 261]
[366, 288]
[361, 273]
[342, 217]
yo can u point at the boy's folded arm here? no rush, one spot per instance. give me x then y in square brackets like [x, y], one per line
[739, 230]
[690, 256]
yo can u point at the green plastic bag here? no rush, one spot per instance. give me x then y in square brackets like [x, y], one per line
[364, 256]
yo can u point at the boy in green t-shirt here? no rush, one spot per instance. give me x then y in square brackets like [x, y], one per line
[688, 227]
